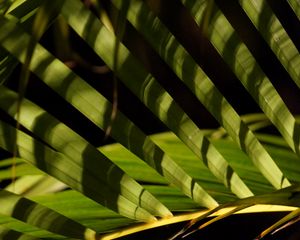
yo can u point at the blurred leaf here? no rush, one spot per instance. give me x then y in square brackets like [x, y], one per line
[296, 6]
[21, 170]
[7, 65]
[32, 185]
[6, 233]
[4, 5]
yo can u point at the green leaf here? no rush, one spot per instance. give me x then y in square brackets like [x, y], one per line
[72, 173]
[21, 169]
[161, 103]
[7, 65]
[47, 11]
[4, 5]
[37, 215]
[19, 226]
[131, 164]
[87, 100]
[192, 75]
[76, 206]
[78, 151]
[236, 158]
[275, 35]
[296, 7]
[4, 163]
[160, 173]
[243, 64]
[6, 233]
[32, 185]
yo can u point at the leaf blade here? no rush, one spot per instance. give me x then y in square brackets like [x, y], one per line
[40, 216]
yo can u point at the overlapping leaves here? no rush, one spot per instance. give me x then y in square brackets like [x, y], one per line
[144, 176]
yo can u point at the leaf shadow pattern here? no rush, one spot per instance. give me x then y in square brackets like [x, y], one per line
[127, 63]
[37, 215]
[81, 154]
[9, 234]
[154, 96]
[85, 163]
[290, 24]
[249, 70]
[78, 89]
[92, 167]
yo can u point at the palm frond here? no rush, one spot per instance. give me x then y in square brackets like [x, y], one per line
[70, 187]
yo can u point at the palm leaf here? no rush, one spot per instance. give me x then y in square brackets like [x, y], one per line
[6, 233]
[72, 145]
[251, 75]
[190, 172]
[142, 144]
[7, 65]
[32, 213]
[215, 103]
[295, 6]
[166, 109]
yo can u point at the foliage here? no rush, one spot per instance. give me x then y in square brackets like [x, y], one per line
[183, 60]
